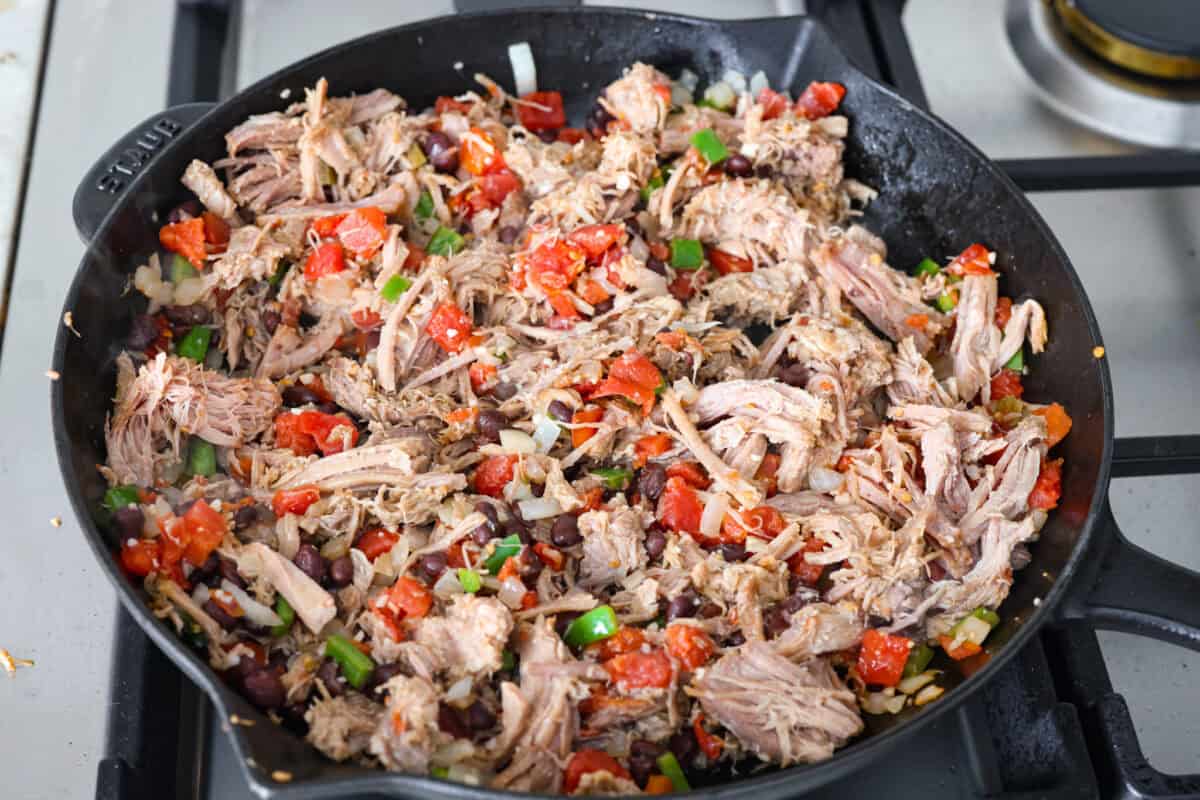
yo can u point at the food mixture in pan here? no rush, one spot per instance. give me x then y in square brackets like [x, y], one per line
[583, 460]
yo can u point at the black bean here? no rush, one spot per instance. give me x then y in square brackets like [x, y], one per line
[490, 423]
[683, 605]
[311, 562]
[563, 621]
[142, 332]
[565, 531]
[433, 564]
[798, 600]
[229, 572]
[480, 717]
[738, 166]
[735, 639]
[194, 314]
[307, 320]
[188, 209]
[776, 621]
[292, 718]
[484, 534]
[652, 479]
[299, 395]
[795, 375]
[379, 676]
[642, 757]
[683, 745]
[341, 572]
[734, 551]
[504, 391]
[223, 618]
[435, 141]
[656, 542]
[603, 307]
[270, 320]
[599, 117]
[245, 516]
[655, 265]
[445, 160]
[764, 171]
[331, 676]
[538, 489]
[509, 233]
[208, 569]
[264, 688]
[530, 567]
[129, 521]
[278, 661]
[329, 408]
[450, 722]
[489, 511]
[709, 610]
[549, 135]
[560, 411]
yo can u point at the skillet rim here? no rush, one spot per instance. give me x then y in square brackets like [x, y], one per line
[777, 782]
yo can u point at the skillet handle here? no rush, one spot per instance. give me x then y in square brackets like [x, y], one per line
[114, 172]
[1126, 588]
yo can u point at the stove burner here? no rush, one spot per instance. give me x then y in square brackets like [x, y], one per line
[1082, 82]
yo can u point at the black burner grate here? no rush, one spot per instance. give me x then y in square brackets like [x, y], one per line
[1048, 726]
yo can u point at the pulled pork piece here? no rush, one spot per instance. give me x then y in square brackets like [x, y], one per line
[888, 298]
[355, 389]
[407, 732]
[913, 380]
[341, 727]
[361, 467]
[603, 783]
[252, 254]
[945, 482]
[806, 154]
[264, 132]
[820, 628]
[612, 546]
[1004, 492]
[289, 351]
[749, 219]
[746, 587]
[976, 340]
[640, 98]
[604, 194]
[782, 711]
[172, 396]
[1027, 318]
[204, 183]
[315, 606]
[469, 638]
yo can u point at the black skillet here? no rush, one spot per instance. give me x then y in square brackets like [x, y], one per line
[937, 194]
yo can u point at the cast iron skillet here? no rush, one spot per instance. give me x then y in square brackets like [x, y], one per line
[937, 194]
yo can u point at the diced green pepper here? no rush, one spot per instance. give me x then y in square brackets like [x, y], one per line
[945, 302]
[469, 580]
[709, 145]
[280, 271]
[119, 497]
[987, 615]
[194, 344]
[594, 626]
[705, 102]
[686, 254]
[662, 387]
[918, 659]
[201, 458]
[424, 209]
[927, 267]
[508, 661]
[356, 665]
[615, 478]
[440, 772]
[286, 613]
[181, 269]
[657, 181]
[508, 547]
[669, 765]
[1017, 362]
[395, 286]
[445, 242]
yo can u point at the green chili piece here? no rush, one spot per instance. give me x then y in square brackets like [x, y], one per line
[686, 254]
[119, 497]
[709, 145]
[356, 665]
[201, 458]
[1017, 362]
[194, 344]
[615, 478]
[445, 242]
[594, 626]
[945, 302]
[470, 580]
[507, 547]
[669, 766]
[918, 659]
[395, 286]
[927, 267]
[508, 661]
[987, 615]
[424, 209]
[286, 613]
[439, 772]
[181, 269]
[280, 271]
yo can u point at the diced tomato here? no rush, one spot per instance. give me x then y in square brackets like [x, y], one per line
[216, 231]
[664, 92]
[1003, 312]
[638, 395]
[592, 292]
[727, 263]
[1058, 423]
[564, 309]
[509, 569]
[820, 99]
[808, 574]
[363, 231]
[173, 541]
[497, 186]
[414, 259]
[205, 530]
[594, 240]
[764, 522]
[649, 447]
[972, 261]
[227, 603]
[551, 556]
[478, 153]
[627, 639]
[1007, 383]
[689, 645]
[682, 287]
[140, 556]
[679, 508]
[450, 327]
[634, 376]
[455, 555]
[539, 119]
[374, 542]
[581, 435]
[917, 321]
[710, 744]
[493, 474]
[327, 259]
[365, 319]
[767, 472]
[529, 600]
[289, 435]
[1048, 488]
[773, 103]
[965, 649]
[294, 501]
[882, 657]
[445, 103]
[410, 596]
[691, 472]
[585, 761]
[659, 784]
[185, 238]
[332, 433]
[592, 500]
[326, 227]
[483, 377]
[572, 135]
[676, 340]
[553, 266]
[638, 670]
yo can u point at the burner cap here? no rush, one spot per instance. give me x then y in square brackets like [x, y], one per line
[1160, 38]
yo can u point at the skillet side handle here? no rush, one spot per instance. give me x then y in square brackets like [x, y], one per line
[1126, 588]
[111, 176]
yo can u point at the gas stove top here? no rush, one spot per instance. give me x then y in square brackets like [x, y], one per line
[1052, 724]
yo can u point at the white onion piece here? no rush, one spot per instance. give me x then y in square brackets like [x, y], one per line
[523, 67]
[457, 750]
[721, 95]
[511, 593]
[516, 441]
[461, 773]
[364, 570]
[915, 682]
[459, 691]
[256, 612]
[517, 489]
[545, 433]
[687, 391]
[928, 695]
[287, 536]
[735, 79]
[825, 480]
[688, 79]
[190, 291]
[758, 82]
[200, 594]
[714, 515]
[447, 586]
[680, 96]
[882, 703]
[536, 508]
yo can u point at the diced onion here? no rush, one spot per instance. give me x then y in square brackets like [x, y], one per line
[459, 692]
[687, 391]
[190, 291]
[523, 67]
[461, 773]
[364, 570]
[147, 279]
[536, 508]
[680, 96]
[447, 585]
[516, 441]
[882, 703]
[455, 751]
[735, 79]
[928, 695]
[912, 684]
[517, 489]
[971, 629]
[511, 593]
[688, 79]
[721, 95]
[825, 480]
[545, 433]
[713, 516]
[758, 82]
[200, 594]
[256, 612]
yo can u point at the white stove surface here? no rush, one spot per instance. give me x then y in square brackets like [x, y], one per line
[1136, 252]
